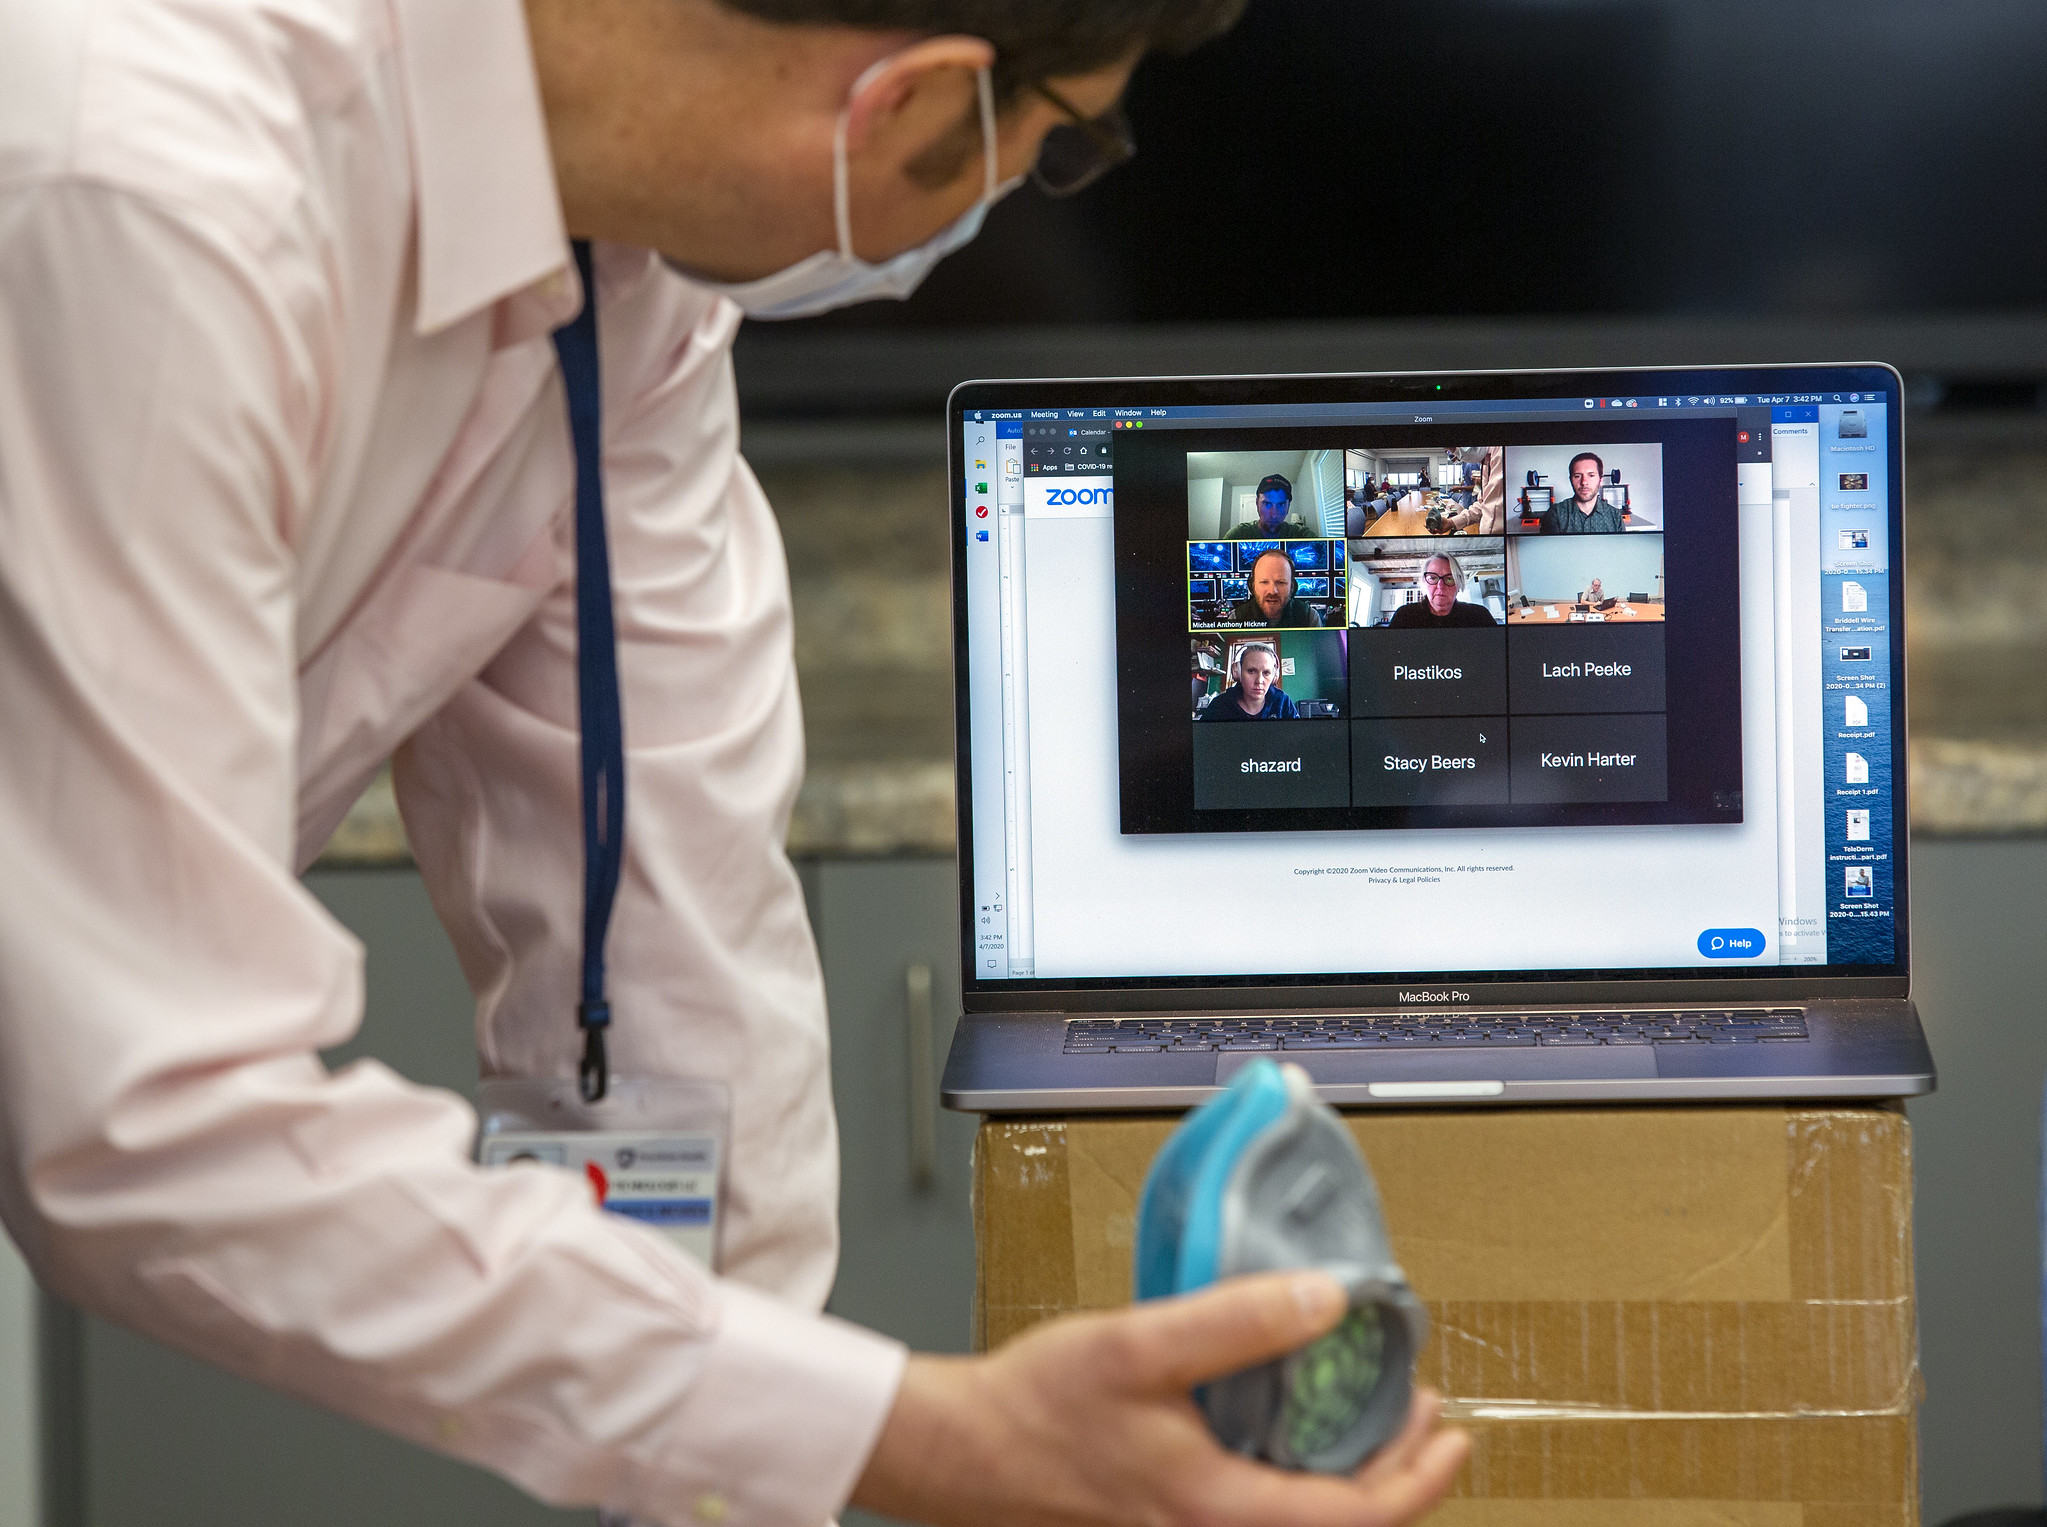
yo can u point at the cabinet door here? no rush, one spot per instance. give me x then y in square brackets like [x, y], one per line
[906, 1260]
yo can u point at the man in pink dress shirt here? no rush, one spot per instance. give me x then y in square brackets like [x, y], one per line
[285, 490]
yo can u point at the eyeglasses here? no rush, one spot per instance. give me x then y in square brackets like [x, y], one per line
[1080, 151]
[1440, 580]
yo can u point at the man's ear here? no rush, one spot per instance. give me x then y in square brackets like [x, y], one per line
[913, 99]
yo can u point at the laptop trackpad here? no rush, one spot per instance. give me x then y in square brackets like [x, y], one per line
[1505, 1064]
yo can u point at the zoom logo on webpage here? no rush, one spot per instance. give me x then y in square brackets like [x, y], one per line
[1075, 498]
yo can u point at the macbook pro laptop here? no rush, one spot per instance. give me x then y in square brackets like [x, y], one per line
[1589, 806]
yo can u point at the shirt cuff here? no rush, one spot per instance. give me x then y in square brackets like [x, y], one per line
[780, 1420]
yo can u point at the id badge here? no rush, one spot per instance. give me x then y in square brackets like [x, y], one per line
[652, 1150]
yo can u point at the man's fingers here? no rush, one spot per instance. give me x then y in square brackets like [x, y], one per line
[1245, 1494]
[1423, 1410]
[1426, 1479]
[1403, 1479]
[1175, 1344]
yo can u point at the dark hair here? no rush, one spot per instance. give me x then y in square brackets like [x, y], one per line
[1585, 456]
[1034, 39]
[1275, 483]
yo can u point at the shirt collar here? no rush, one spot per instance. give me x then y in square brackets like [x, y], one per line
[489, 214]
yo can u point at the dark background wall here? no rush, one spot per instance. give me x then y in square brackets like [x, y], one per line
[1401, 158]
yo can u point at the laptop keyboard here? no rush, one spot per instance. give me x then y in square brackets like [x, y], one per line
[1408, 1031]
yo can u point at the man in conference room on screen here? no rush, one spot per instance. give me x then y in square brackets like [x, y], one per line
[1584, 512]
[1271, 601]
[1276, 519]
[1256, 696]
[1441, 582]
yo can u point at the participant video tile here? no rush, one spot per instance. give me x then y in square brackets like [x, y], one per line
[1276, 676]
[1433, 762]
[1594, 489]
[1428, 583]
[1270, 585]
[1585, 668]
[1585, 580]
[1395, 490]
[1589, 760]
[1428, 673]
[1277, 765]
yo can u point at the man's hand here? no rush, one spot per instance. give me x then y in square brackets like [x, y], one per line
[1087, 1422]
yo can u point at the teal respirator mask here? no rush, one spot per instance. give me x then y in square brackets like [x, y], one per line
[1266, 1178]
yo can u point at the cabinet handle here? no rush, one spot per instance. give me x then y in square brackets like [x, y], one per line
[923, 1090]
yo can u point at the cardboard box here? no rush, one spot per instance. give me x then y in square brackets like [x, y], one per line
[1675, 1317]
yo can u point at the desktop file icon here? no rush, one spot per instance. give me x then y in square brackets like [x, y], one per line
[1857, 769]
[1857, 713]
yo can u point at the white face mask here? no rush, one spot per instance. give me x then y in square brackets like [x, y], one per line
[836, 278]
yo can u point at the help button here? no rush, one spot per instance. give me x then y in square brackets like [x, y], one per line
[1730, 943]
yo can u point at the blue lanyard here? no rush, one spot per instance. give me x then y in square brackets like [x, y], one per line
[601, 741]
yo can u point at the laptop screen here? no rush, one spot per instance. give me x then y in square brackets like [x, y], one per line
[1306, 686]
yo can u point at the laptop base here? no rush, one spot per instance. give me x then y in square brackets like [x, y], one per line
[1020, 1063]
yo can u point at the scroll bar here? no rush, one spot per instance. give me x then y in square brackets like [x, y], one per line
[1787, 680]
[1016, 721]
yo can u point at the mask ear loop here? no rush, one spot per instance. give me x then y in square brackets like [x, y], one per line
[985, 87]
[842, 179]
[842, 187]
[842, 193]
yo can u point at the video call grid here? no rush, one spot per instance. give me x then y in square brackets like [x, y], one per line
[1431, 672]
[1569, 676]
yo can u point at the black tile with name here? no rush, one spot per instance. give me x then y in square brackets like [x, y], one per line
[1585, 668]
[1261, 765]
[1589, 760]
[1428, 673]
[1429, 761]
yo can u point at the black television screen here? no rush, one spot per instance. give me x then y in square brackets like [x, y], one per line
[1520, 157]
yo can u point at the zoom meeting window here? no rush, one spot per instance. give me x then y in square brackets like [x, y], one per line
[1497, 636]
[1502, 689]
